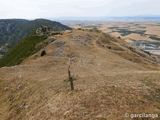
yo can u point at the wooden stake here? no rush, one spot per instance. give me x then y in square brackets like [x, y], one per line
[70, 78]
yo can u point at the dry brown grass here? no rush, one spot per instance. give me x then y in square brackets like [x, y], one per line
[107, 85]
[155, 30]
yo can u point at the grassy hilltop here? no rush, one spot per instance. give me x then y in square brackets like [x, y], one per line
[110, 78]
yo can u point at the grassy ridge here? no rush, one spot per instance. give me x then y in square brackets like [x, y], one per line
[21, 51]
[13, 30]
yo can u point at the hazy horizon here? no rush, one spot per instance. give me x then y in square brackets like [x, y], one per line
[101, 18]
[32, 9]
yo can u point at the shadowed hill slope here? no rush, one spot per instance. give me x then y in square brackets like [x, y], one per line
[13, 30]
[21, 51]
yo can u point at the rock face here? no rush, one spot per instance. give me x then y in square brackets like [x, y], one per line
[13, 30]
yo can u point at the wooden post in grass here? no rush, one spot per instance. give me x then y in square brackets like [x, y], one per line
[70, 78]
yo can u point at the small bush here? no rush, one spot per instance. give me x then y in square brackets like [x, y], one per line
[79, 29]
[43, 53]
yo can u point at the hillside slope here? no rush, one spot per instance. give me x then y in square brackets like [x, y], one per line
[13, 30]
[110, 79]
[22, 50]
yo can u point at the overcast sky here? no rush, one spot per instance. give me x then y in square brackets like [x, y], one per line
[31, 9]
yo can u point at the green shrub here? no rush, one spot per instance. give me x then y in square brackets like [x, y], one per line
[43, 53]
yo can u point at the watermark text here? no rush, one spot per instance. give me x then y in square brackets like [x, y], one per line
[141, 115]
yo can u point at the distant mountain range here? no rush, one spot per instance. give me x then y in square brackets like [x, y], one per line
[112, 18]
[13, 30]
